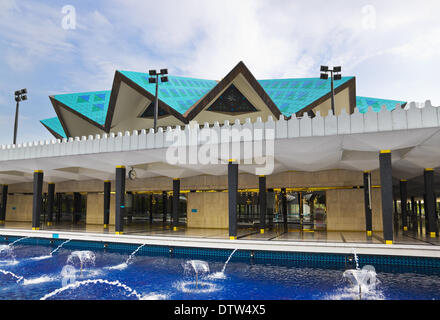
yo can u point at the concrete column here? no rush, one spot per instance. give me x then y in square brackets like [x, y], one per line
[419, 209]
[270, 206]
[367, 203]
[413, 212]
[3, 204]
[176, 196]
[386, 181]
[164, 206]
[262, 202]
[430, 212]
[107, 189]
[50, 202]
[301, 209]
[425, 214]
[142, 204]
[120, 199]
[150, 204]
[153, 208]
[37, 199]
[232, 198]
[403, 203]
[76, 206]
[284, 208]
[59, 207]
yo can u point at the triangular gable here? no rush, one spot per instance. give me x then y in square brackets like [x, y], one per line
[175, 96]
[232, 101]
[294, 95]
[180, 93]
[74, 122]
[54, 126]
[363, 103]
[215, 92]
[91, 106]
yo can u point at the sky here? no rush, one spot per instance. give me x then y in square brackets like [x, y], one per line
[57, 46]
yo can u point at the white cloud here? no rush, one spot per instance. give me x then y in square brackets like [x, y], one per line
[207, 38]
[31, 33]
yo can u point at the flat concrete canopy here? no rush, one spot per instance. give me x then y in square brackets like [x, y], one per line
[350, 142]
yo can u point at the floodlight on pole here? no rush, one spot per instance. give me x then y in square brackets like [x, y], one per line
[154, 78]
[334, 75]
[20, 95]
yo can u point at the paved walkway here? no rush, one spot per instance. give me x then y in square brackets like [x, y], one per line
[157, 230]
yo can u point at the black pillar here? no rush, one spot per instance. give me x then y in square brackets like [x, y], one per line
[262, 202]
[150, 204]
[59, 207]
[301, 209]
[425, 214]
[232, 198]
[367, 202]
[413, 211]
[430, 209]
[50, 202]
[3, 204]
[164, 206]
[176, 197]
[107, 189]
[386, 181]
[120, 199]
[154, 206]
[419, 214]
[142, 205]
[403, 203]
[76, 207]
[37, 199]
[284, 208]
[270, 206]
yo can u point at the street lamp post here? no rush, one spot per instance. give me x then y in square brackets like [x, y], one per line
[20, 95]
[154, 78]
[334, 75]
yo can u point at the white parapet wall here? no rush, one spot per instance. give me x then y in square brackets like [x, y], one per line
[413, 116]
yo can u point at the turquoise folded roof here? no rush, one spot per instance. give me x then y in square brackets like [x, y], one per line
[363, 103]
[93, 105]
[55, 125]
[180, 93]
[292, 95]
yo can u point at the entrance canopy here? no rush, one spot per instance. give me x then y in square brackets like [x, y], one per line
[345, 141]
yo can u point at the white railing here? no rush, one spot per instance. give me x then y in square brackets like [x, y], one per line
[415, 115]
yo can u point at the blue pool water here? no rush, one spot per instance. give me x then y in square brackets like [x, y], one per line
[31, 272]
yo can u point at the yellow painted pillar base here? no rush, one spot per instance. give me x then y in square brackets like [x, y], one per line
[35, 228]
[119, 233]
[175, 229]
[433, 235]
[388, 242]
[262, 231]
[2, 222]
[105, 226]
[232, 238]
[405, 228]
[49, 223]
[369, 233]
